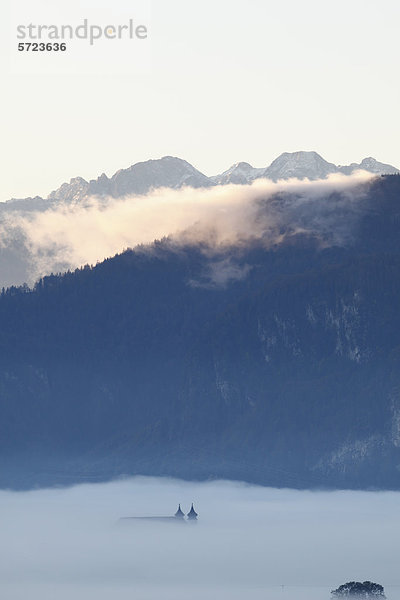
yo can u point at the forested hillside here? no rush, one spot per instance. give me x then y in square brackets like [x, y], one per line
[273, 364]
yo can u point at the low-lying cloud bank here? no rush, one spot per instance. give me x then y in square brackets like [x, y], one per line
[70, 236]
[249, 542]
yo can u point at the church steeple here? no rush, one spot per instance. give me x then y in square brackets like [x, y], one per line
[179, 514]
[192, 515]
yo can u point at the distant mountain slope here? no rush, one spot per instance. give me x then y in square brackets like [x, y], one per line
[172, 172]
[239, 173]
[287, 375]
[299, 165]
[140, 178]
[372, 166]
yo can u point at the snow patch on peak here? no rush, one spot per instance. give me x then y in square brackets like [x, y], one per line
[240, 173]
[300, 165]
[373, 166]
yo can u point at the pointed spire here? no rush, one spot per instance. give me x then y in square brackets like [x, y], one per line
[192, 514]
[179, 514]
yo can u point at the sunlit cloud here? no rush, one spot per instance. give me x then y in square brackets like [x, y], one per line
[70, 236]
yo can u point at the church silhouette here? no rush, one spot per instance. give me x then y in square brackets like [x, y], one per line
[178, 517]
[191, 516]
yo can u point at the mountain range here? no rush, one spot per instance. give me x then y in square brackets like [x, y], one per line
[18, 264]
[172, 172]
[275, 364]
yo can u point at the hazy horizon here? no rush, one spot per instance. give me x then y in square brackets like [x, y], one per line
[249, 541]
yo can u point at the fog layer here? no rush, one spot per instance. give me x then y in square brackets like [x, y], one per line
[71, 235]
[249, 542]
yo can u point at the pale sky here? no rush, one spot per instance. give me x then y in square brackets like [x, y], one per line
[216, 82]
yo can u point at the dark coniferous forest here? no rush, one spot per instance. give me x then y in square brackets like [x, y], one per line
[283, 371]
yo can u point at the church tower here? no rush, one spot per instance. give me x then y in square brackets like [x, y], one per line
[179, 514]
[192, 515]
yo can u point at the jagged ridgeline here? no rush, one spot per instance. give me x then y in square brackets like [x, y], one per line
[277, 365]
[28, 249]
